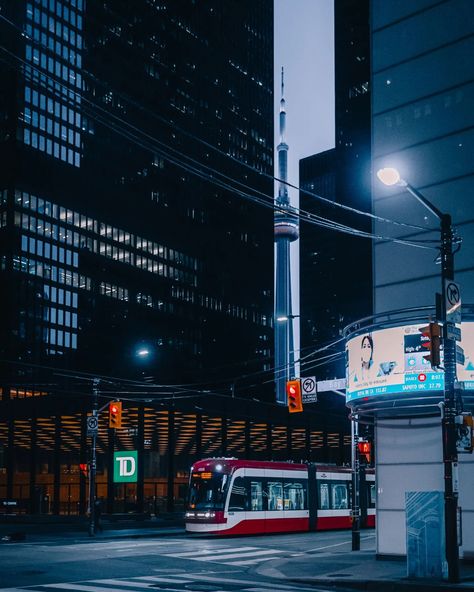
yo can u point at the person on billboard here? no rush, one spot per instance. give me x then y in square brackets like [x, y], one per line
[366, 356]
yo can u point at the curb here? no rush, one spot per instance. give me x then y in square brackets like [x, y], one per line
[386, 585]
[83, 536]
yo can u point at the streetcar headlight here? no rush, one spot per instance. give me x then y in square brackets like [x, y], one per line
[210, 514]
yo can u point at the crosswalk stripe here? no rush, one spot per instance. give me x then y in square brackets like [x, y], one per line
[225, 556]
[130, 583]
[171, 579]
[251, 561]
[264, 585]
[80, 587]
[194, 554]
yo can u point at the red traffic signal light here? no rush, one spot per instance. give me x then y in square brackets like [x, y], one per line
[293, 393]
[365, 451]
[84, 469]
[115, 414]
[431, 340]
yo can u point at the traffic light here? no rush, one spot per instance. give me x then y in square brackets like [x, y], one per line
[365, 451]
[431, 340]
[84, 469]
[293, 392]
[115, 414]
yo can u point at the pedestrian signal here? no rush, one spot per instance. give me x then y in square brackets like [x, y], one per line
[431, 340]
[84, 469]
[293, 392]
[365, 451]
[115, 414]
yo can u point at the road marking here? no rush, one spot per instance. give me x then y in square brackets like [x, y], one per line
[264, 585]
[194, 554]
[245, 555]
[337, 544]
[80, 587]
[174, 580]
[252, 561]
[148, 581]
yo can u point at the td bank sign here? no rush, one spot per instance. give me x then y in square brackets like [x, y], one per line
[125, 466]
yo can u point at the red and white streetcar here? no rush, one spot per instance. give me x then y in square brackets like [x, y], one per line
[229, 496]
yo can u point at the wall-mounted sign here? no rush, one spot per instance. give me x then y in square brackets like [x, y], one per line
[391, 361]
[125, 466]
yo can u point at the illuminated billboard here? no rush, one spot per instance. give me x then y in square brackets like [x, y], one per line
[390, 361]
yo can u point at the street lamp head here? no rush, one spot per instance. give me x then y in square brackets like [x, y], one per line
[143, 352]
[282, 319]
[390, 176]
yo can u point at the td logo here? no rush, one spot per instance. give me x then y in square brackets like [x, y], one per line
[125, 466]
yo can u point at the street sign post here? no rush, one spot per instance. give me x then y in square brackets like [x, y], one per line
[338, 384]
[460, 358]
[452, 301]
[92, 425]
[453, 332]
[309, 390]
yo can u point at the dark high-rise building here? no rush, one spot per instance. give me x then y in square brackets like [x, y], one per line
[113, 108]
[336, 268]
[127, 131]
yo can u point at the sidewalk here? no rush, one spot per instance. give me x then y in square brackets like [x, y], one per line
[360, 570]
[78, 529]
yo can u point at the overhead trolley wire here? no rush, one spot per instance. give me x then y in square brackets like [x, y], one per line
[176, 127]
[307, 216]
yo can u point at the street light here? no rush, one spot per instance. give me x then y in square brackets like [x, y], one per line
[284, 318]
[391, 176]
[289, 353]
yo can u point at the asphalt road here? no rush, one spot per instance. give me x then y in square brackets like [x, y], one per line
[173, 563]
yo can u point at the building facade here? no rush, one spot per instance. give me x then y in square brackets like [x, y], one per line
[336, 284]
[130, 132]
[422, 83]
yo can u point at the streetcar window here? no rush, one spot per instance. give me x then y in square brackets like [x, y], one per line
[324, 496]
[295, 495]
[238, 496]
[275, 495]
[207, 493]
[340, 499]
[256, 496]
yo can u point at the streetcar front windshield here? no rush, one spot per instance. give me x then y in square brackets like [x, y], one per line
[207, 491]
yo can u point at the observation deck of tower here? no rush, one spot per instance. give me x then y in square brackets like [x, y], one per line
[286, 230]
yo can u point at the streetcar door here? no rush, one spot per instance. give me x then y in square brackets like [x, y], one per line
[274, 514]
[312, 497]
[238, 501]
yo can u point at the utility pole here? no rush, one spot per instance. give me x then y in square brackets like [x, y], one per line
[390, 176]
[355, 485]
[93, 460]
[450, 455]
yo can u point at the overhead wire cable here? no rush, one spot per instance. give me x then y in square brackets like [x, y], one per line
[176, 127]
[307, 216]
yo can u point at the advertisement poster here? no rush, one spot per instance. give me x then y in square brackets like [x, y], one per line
[466, 371]
[392, 361]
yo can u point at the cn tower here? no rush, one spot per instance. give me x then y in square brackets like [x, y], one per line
[286, 231]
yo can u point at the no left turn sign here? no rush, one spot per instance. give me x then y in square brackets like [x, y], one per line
[308, 385]
[92, 425]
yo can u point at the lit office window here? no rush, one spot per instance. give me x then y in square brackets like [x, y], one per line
[53, 82]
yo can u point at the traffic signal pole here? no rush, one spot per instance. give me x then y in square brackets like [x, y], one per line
[450, 455]
[93, 461]
[355, 485]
